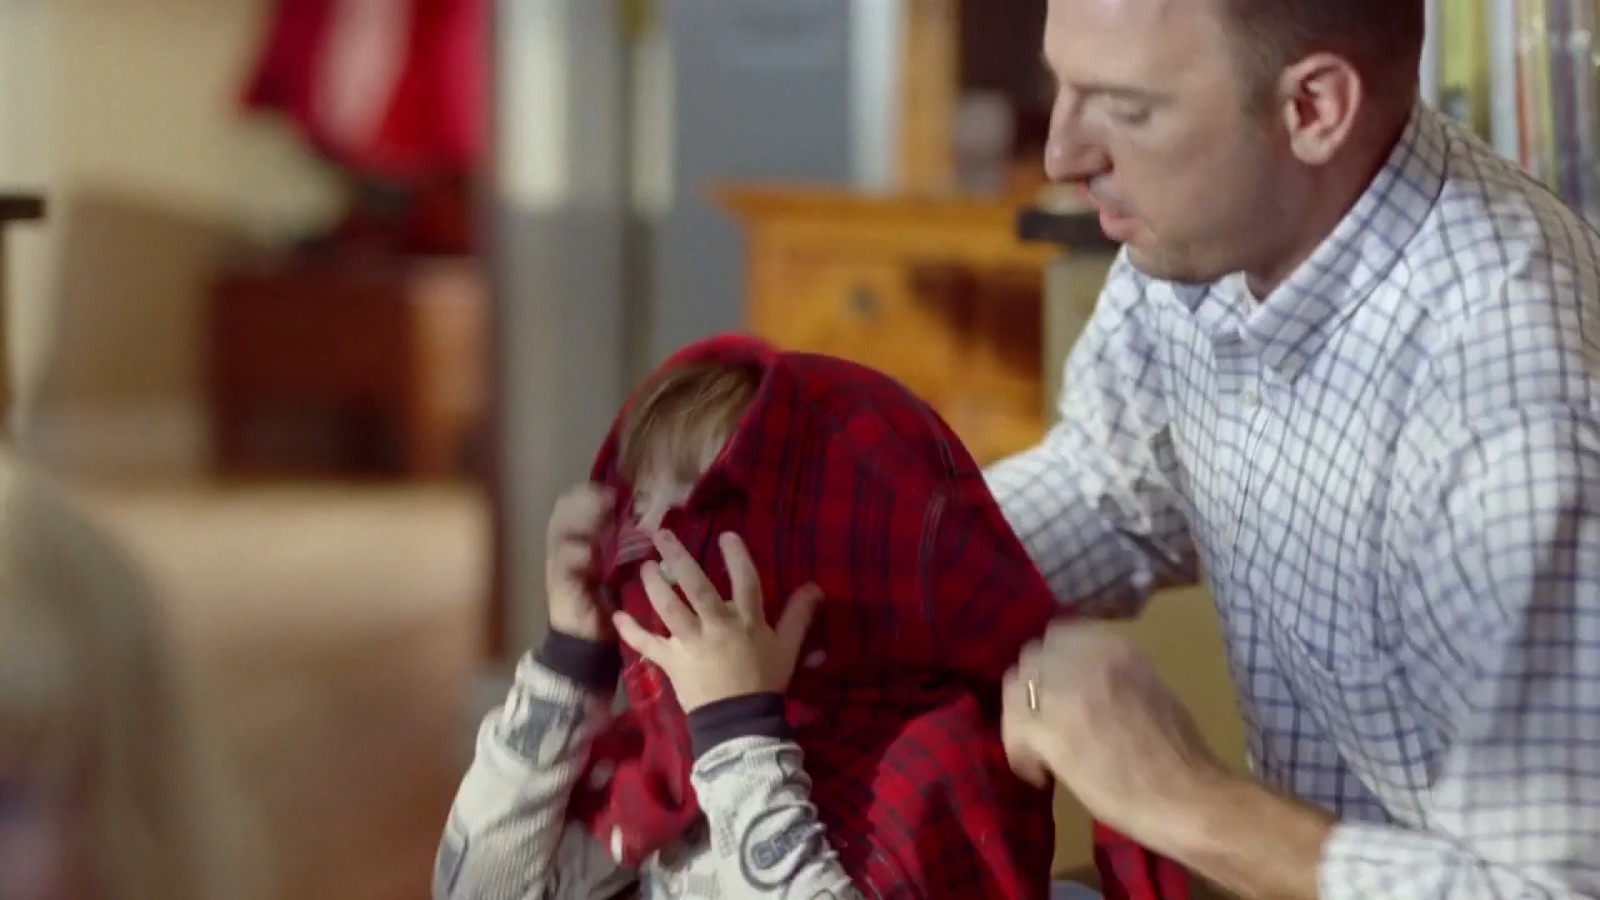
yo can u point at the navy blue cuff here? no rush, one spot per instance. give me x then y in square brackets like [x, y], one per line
[595, 665]
[748, 715]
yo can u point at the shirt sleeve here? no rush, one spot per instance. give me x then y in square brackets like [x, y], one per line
[506, 836]
[1500, 593]
[750, 778]
[1103, 471]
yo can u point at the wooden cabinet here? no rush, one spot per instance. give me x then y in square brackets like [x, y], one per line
[930, 90]
[863, 307]
[938, 293]
[322, 368]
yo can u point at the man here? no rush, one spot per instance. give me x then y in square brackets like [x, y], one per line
[1349, 364]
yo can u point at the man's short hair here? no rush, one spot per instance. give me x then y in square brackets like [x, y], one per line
[1381, 38]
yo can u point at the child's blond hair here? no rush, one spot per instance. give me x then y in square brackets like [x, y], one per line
[682, 411]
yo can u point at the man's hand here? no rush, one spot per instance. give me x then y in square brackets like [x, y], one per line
[1107, 728]
[571, 558]
[717, 649]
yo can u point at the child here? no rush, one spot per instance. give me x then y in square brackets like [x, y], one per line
[878, 770]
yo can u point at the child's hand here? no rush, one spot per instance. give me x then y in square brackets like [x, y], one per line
[717, 649]
[570, 558]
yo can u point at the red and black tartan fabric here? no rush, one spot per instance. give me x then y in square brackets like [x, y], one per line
[838, 475]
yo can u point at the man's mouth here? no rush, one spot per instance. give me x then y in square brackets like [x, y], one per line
[1103, 206]
[1117, 225]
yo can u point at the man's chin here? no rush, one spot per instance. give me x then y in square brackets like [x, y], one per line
[1153, 263]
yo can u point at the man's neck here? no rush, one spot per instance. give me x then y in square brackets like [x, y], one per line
[1340, 187]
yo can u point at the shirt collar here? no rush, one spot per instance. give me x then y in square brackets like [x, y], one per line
[1295, 321]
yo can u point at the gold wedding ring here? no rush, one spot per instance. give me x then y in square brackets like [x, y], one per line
[1033, 696]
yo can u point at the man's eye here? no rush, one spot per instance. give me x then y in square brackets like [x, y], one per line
[1131, 114]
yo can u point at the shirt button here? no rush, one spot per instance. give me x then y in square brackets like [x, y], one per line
[1251, 399]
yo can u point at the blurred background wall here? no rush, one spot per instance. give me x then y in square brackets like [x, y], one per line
[126, 113]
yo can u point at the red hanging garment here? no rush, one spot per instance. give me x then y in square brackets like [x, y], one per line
[392, 90]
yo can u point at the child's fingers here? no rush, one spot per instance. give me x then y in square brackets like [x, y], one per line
[679, 619]
[687, 574]
[633, 634]
[742, 579]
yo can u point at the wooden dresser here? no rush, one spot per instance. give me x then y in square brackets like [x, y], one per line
[324, 367]
[937, 293]
[940, 293]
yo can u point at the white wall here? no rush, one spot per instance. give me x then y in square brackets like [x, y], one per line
[125, 113]
[26, 165]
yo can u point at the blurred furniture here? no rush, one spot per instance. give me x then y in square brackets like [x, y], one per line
[939, 292]
[869, 93]
[331, 632]
[13, 208]
[930, 90]
[1072, 282]
[337, 368]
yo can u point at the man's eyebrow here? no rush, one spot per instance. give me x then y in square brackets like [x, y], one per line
[1119, 91]
[1104, 88]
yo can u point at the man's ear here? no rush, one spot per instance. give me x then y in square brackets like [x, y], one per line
[1321, 96]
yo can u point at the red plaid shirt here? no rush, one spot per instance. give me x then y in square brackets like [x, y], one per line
[839, 476]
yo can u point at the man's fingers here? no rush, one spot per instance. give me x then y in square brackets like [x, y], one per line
[1014, 693]
[1018, 733]
[680, 621]
[1017, 729]
[1065, 638]
[742, 579]
[1029, 768]
[798, 614]
[687, 574]
[633, 634]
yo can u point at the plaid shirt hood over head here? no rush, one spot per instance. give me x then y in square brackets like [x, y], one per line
[838, 475]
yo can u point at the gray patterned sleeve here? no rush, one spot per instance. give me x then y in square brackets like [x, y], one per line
[506, 837]
[752, 785]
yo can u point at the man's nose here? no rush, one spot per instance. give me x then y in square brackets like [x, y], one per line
[1065, 161]
[1070, 156]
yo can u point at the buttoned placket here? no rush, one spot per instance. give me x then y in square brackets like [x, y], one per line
[1229, 379]
[1241, 413]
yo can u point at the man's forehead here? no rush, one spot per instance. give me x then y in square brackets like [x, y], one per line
[1124, 39]
[1129, 12]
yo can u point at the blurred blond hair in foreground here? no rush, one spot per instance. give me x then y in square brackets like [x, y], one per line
[106, 790]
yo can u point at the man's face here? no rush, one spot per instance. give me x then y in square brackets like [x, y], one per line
[1149, 116]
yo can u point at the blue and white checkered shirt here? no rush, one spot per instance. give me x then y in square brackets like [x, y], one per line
[1389, 470]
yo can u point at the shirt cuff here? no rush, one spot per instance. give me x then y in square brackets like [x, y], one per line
[749, 715]
[593, 665]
